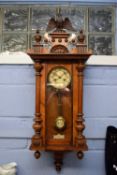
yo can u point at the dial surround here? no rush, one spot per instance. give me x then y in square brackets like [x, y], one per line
[59, 78]
[60, 123]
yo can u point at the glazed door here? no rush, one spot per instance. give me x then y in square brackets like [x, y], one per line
[59, 119]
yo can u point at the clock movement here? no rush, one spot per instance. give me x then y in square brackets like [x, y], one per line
[59, 61]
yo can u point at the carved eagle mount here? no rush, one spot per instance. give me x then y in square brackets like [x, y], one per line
[59, 23]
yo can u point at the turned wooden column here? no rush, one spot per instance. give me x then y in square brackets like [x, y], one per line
[80, 126]
[37, 126]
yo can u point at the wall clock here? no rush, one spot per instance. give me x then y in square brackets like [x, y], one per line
[59, 122]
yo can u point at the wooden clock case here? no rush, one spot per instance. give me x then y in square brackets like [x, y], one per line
[73, 59]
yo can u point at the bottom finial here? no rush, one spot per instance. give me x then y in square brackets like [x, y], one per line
[58, 160]
[80, 154]
[37, 154]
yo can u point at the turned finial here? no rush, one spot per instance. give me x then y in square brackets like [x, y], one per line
[81, 37]
[37, 36]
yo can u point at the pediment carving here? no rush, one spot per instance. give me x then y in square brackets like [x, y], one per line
[59, 49]
[60, 37]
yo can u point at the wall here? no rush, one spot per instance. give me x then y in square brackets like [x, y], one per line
[17, 93]
[116, 31]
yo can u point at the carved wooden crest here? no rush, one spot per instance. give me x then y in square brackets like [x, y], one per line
[60, 37]
[59, 23]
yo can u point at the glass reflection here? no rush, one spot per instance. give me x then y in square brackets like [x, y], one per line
[15, 19]
[101, 45]
[16, 42]
[100, 20]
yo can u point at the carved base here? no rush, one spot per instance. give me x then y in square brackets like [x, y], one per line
[36, 143]
[81, 144]
[58, 156]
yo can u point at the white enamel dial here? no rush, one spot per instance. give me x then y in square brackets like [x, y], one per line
[59, 78]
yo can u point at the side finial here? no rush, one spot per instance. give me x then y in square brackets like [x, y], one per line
[37, 37]
[81, 37]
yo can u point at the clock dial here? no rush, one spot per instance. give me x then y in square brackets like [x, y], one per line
[59, 78]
